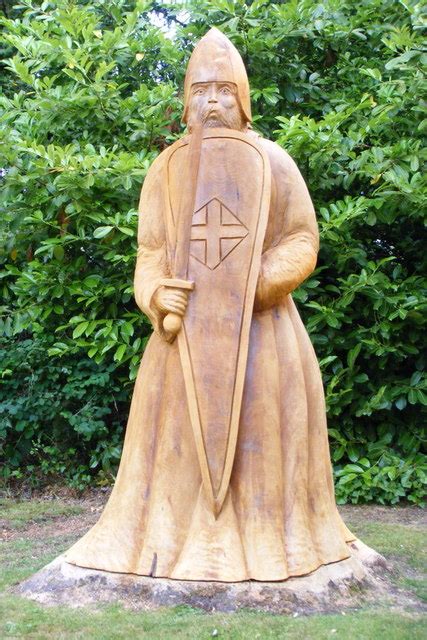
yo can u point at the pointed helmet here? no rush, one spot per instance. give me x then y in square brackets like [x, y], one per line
[216, 59]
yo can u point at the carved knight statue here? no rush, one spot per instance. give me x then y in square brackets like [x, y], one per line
[225, 473]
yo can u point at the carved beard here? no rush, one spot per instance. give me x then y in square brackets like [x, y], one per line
[215, 117]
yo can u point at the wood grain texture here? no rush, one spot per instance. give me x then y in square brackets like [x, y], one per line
[279, 518]
[231, 203]
[225, 473]
[172, 323]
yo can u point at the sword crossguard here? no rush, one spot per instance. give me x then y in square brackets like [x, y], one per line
[172, 322]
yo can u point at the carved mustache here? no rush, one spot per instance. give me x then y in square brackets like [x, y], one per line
[212, 112]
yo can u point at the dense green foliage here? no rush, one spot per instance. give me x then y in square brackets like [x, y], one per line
[90, 97]
[64, 414]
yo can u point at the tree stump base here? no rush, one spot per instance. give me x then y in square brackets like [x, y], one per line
[334, 587]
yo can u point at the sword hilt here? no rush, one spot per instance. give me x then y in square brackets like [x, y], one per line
[172, 322]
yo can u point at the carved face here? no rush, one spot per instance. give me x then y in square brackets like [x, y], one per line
[215, 104]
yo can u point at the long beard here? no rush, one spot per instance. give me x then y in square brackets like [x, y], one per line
[211, 123]
[212, 118]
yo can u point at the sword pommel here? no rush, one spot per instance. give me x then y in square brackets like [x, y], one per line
[172, 323]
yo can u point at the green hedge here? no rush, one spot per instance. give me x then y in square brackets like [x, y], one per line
[60, 416]
[90, 97]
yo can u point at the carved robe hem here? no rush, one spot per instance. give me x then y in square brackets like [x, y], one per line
[279, 519]
[195, 579]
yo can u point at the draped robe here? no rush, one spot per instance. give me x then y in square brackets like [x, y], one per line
[279, 518]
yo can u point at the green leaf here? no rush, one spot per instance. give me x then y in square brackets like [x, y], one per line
[352, 355]
[371, 218]
[353, 453]
[412, 396]
[127, 231]
[353, 467]
[101, 232]
[415, 378]
[92, 281]
[80, 329]
[121, 350]
[58, 252]
[347, 478]
[401, 403]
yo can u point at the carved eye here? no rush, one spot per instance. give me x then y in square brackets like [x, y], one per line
[225, 91]
[199, 92]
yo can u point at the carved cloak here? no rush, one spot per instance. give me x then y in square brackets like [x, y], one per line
[279, 517]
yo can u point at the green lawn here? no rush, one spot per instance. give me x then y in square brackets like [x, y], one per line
[19, 514]
[28, 549]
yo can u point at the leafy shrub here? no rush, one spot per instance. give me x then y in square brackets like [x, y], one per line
[90, 98]
[387, 481]
[58, 416]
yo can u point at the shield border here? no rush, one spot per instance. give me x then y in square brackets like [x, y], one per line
[217, 501]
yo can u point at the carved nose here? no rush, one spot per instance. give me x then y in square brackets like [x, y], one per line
[212, 99]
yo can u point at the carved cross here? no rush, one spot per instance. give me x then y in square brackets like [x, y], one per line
[215, 232]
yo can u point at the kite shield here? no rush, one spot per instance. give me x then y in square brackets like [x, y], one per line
[228, 226]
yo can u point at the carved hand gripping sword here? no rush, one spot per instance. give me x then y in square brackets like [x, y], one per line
[172, 322]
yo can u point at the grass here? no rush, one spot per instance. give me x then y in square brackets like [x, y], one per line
[396, 540]
[19, 514]
[403, 544]
[21, 556]
[108, 623]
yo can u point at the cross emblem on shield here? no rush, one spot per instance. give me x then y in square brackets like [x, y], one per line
[215, 233]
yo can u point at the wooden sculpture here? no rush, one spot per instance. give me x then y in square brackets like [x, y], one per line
[225, 473]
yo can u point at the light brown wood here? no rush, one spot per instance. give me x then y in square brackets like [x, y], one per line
[180, 249]
[230, 217]
[225, 473]
[172, 323]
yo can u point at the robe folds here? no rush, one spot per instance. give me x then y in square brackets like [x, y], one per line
[279, 517]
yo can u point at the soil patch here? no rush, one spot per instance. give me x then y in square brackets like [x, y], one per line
[93, 501]
[48, 525]
[404, 514]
